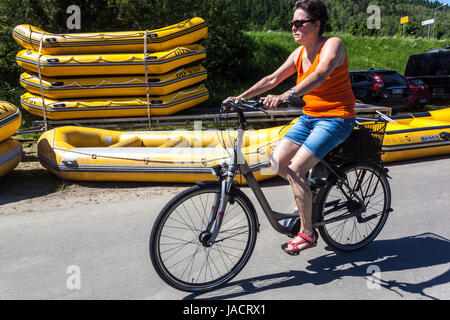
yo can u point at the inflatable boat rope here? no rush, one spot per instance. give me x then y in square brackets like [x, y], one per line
[203, 161]
[146, 81]
[40, 81]
[113, 36]
[58, 104]
[104, 81]
[111, 102]
[131, 58]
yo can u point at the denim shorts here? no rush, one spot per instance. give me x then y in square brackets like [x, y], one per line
[320, 135]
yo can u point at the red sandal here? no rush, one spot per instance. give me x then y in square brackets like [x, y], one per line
[311, 242]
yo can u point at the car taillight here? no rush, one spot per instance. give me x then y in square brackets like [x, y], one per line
[379, 84]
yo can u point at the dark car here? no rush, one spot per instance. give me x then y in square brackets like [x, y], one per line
[380, 87]
[418, 93]
[433, 69]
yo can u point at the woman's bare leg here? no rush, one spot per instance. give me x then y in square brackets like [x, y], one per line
[281, 157]
[299, 166]
[292, 162]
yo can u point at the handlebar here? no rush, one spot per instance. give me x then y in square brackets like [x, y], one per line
[255, 104]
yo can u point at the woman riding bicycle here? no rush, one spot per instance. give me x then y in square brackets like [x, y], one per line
[323, 81]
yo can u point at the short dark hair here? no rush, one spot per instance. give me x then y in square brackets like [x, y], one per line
[316, 10]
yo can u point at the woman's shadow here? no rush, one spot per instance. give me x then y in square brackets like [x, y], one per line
[409, 253]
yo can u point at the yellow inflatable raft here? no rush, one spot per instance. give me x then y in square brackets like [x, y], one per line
[75, 153]
[110, 64]
[417, 135]
[130, 85]
[182, 33]
[10, 120]
[10, 152]
[115, 106]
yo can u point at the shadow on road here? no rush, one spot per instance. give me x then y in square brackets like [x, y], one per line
[405, 254]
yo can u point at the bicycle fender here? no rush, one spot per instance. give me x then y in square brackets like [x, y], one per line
[208, 183]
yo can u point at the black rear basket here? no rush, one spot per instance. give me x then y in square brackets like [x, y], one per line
[364, 143]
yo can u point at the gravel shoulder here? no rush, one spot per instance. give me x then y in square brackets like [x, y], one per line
[30, 189]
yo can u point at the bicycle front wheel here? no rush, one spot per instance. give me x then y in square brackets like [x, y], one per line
[178, 251]
[370, 184]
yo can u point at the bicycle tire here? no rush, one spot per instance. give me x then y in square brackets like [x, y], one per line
[344, 234]
[239, 218]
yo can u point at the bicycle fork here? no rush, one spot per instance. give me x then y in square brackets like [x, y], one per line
[217, 212]
[208, 237]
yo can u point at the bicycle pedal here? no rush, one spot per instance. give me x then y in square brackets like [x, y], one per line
[317, 182]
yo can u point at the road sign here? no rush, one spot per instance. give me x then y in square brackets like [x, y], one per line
[430, 21]
[404, 20]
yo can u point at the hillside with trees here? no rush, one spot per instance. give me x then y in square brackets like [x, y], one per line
[275, 15]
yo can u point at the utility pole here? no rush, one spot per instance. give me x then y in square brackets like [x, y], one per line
[434, 24]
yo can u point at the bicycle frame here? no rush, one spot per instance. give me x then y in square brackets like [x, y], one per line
[238, 163]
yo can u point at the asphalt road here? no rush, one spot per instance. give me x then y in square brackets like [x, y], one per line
[101, 251]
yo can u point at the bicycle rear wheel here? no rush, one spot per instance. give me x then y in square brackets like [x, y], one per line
[370, 184]
[178, 251]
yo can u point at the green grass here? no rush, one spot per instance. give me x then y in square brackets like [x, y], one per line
[385, 52]
[363, 52]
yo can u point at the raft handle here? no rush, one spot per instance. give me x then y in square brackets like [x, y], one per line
[59, 105]
[57, 84]
[53, 60]
[50, 39]
[151, 57]
[444, 135]
[152, 35]
[70, 163]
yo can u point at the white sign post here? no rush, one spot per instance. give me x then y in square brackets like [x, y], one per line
[429, 23]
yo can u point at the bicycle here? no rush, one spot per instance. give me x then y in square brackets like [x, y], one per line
[206, 234]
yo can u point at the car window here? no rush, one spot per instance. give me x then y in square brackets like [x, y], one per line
[358, 77]
[416, 82]
[393, 78]
[428, 64]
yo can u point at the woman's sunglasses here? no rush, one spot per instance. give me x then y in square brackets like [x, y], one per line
[298, 23]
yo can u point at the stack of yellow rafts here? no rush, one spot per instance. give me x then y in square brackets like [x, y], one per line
[75, 153]
[114, 74]
[10, 149]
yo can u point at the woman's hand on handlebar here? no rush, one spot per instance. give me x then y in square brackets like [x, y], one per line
[273, 101]
[234, 99]
[226, 105]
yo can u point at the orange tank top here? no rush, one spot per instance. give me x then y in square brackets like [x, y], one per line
[334, 98]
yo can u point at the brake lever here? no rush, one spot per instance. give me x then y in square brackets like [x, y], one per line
[229, 105]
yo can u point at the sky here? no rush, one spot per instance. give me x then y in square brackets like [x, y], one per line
[445, 1]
